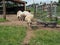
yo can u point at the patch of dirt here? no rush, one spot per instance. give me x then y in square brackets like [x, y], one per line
[12, 20]
[29, 35]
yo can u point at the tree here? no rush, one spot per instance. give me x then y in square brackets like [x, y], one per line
[59, 1]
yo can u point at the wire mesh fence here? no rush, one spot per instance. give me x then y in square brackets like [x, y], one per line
[46, 12]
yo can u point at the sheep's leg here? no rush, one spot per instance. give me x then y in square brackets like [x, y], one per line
[23, 18]
[29, 24]
[19, 18]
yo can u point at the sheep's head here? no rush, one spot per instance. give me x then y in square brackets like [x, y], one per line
[29, 22]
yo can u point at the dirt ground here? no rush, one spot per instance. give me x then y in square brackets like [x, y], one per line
[13, 20]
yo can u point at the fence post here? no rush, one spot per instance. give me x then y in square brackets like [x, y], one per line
[4, 9]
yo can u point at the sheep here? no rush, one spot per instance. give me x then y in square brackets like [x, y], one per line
[25, 13]
[26, 16]
[19, 15]
[29, 17]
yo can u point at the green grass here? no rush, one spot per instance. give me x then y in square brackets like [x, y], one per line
[3, 20]
[46, 37]
[12, 35]
[58, 21]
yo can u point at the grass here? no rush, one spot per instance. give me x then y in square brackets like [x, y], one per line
[12, 35]
[58, 21]
[3, 20]
[46, 37]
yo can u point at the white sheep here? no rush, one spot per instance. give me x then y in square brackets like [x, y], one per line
[26, 13]
[29, 17]
[19, 15]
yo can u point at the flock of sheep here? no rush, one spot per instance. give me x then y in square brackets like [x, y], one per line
[25, 16]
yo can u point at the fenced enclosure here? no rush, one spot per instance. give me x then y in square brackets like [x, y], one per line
[46, 12]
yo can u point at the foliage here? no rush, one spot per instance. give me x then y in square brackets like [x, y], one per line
[59, 1]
